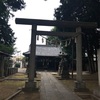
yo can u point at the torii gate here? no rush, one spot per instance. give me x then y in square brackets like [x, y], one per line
[30, 85]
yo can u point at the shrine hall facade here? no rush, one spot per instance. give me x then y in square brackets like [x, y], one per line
[47, 57]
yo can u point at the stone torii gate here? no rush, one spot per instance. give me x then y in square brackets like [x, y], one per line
[30, 85]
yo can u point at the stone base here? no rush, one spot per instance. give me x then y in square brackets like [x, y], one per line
[30, 87]
[80, 87]
[96, 92]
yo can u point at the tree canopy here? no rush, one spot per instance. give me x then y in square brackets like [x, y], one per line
[84, 11]
[79, 10]
[7, 38]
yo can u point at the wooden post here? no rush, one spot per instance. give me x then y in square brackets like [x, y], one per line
[72, 56]
[2, 67]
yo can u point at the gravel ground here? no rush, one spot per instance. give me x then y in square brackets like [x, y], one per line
[28, 96]
[9, 86]
[91, 81]
[13, 83]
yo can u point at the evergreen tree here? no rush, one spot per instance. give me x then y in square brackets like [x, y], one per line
[7, 38]
[85, 11]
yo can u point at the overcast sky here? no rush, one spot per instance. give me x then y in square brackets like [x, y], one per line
[35, 9]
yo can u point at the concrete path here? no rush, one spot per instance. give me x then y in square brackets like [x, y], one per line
[52, 89]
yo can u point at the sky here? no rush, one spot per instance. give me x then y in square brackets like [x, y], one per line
[35, 9]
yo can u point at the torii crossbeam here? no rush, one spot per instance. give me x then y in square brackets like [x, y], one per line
[30, 85]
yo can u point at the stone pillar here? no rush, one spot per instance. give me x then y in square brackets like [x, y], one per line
[97, 91]
[98, 53]
[79, 84]
[2, 67]
[31, 85]
[79, 55]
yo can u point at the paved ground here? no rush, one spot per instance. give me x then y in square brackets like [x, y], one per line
[52, 89]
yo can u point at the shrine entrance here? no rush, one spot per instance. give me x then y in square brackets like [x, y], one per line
[79, 84]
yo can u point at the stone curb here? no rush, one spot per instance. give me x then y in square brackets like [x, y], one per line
[13, 95]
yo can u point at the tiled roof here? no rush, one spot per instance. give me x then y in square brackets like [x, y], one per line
[44, 50]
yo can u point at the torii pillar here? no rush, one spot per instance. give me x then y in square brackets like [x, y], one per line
[79, 84]
[97, 90]
[30, 85]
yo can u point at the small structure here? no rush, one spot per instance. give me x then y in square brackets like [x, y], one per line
[2, 59]
[6, 70]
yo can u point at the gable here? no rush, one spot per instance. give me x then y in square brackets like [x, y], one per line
[44, 50]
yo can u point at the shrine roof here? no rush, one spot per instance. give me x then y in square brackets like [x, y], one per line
[44, 50]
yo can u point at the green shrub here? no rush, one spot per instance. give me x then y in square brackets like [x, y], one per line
[17, 65]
